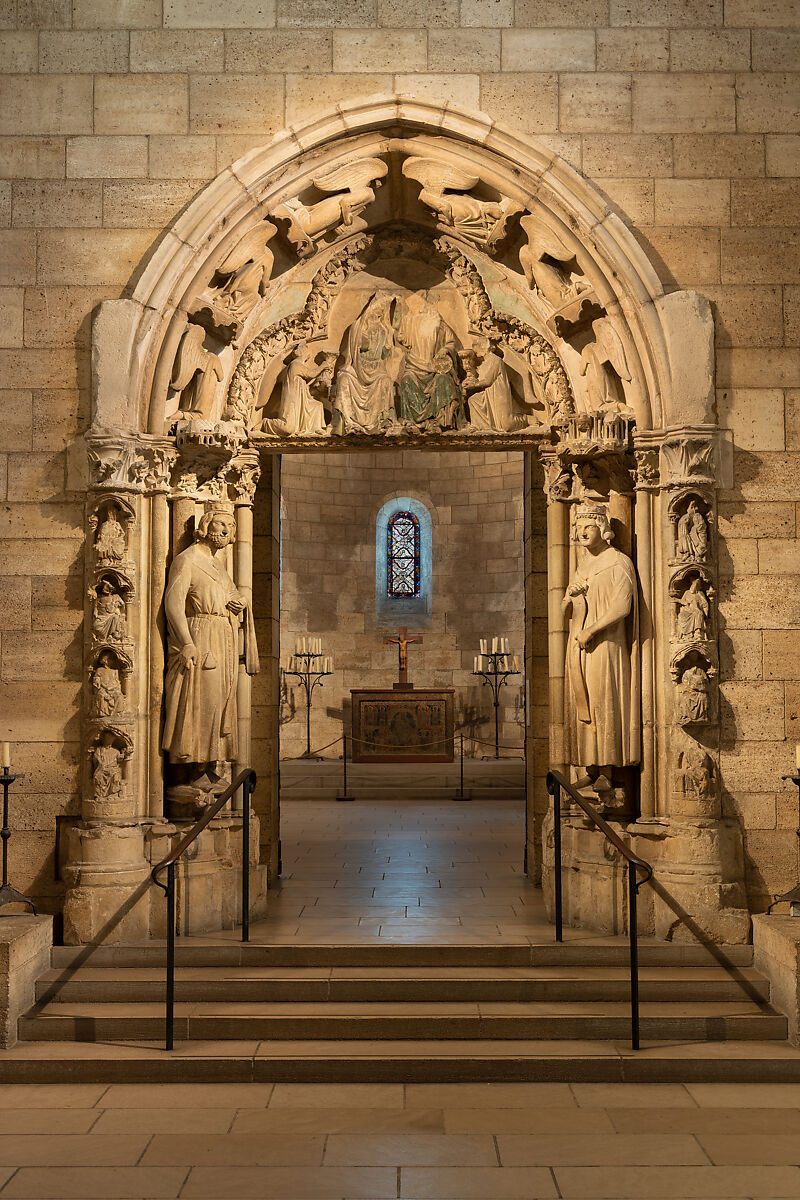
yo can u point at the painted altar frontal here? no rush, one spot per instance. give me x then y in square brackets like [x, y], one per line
[392, 726]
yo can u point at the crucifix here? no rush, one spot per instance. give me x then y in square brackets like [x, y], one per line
[402, 641]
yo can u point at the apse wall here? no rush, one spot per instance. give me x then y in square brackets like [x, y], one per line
[329, 506]
[113, 115]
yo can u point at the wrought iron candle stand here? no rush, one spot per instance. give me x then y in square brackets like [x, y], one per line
[312, 669]
[8, 894]
[493, 669]
[792, 897]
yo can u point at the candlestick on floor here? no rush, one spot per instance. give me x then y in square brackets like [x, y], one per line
[309, 678]
[8, 894]
[492, 670]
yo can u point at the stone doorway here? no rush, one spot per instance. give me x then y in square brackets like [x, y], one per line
[402, 274]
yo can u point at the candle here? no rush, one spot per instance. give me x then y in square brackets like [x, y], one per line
[6, 754]
[796, 755]
[514, 662]
[494, 645]
[483, 645]
[297, 645]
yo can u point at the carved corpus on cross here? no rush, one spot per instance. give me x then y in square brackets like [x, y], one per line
[402, 641]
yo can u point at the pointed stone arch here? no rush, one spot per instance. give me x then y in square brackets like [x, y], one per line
[623, 373]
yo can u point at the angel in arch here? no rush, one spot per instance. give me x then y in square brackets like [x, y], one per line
[603, 386]
[443, 186]
[351, 187]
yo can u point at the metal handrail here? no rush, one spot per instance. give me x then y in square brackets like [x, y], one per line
[247, 781]
[555, 782]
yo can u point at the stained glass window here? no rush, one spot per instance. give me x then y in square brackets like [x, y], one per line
[402, 556]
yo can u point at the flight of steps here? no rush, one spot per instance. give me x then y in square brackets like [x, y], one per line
[402, 1013]
[484, 779]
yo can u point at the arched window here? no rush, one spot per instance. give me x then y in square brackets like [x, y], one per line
[403, 557]
[403, 563]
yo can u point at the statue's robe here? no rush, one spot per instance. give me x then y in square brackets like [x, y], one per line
[200, 721]
[427, 385]
[604, 723]
[364, 393]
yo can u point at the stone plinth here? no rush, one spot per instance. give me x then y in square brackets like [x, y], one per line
[25, 945]
[776, 949]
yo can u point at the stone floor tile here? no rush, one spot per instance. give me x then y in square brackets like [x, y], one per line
[632, 1095]
[490, 1095]
[63, 1149]
[51, 1095]
[335, 1095]
[414, 1149]
[705, 1120]
[745, 1095]
[476, 1183]
[290, 1183]
[603, 1149]
[96, 1183]
[51, 1120]
[310, 1121]
[677, 1183]
[751, 1149]
[165, 1120]
[235, 1150]
[193, 1095]
[528, 1120]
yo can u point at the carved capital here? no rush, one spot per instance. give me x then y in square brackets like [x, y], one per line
[647, 476]
[130, 464]
[242, 476]
[689, 458]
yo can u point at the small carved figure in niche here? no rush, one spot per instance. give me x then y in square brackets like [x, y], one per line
[301, 413]
[111, 544]
[107, 775]
[549, 264]
[692, 534]
[364, 393]
[355, 182]
[693, 612]
[108, 615]
[427, 383]
[490, 402]
[248, 267]
[695, 703]
[602, 649]
[696, 773]
[443, 186]
[196, 374]
[607, 350]
[203, 609]
[107, 698]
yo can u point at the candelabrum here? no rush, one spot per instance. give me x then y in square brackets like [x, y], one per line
[8, 894]
[495, 667]
[792, 897]
[309, 666]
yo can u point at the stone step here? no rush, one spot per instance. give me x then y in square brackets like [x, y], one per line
[401, 1062]
[587, 951]
[386, 1023]
[436, 985]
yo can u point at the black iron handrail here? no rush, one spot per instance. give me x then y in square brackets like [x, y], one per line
[555, 782]
[247, 781]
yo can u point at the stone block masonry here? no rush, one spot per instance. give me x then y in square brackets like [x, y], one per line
[113, 114]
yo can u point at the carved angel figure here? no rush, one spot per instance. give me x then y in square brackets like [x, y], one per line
[606, 350]
[693, 610]
[106, 688]
[443, 186]
[196, 374]
[300, 412]
[107, 777]
[692, 534]
[248, 267]
[355, 184]
[110, 544]
[108, 616]
[549, 264]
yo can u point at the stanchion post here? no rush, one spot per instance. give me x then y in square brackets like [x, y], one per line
[344, 795]
[461, 793]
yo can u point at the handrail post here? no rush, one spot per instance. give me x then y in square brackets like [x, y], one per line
[170, 996]
[633, 931]
[557, 859]
[246, 859]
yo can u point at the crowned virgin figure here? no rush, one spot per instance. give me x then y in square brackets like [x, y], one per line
[364, 394]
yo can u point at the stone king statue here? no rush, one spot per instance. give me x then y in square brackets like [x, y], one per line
[602, 651]
[204, 609]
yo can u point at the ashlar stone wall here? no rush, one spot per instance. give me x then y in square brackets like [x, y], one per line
[329, 505]
[113, 114]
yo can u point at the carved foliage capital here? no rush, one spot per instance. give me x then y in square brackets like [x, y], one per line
[130, 465]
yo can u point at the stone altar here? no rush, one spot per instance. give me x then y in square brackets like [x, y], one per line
[412, 726]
